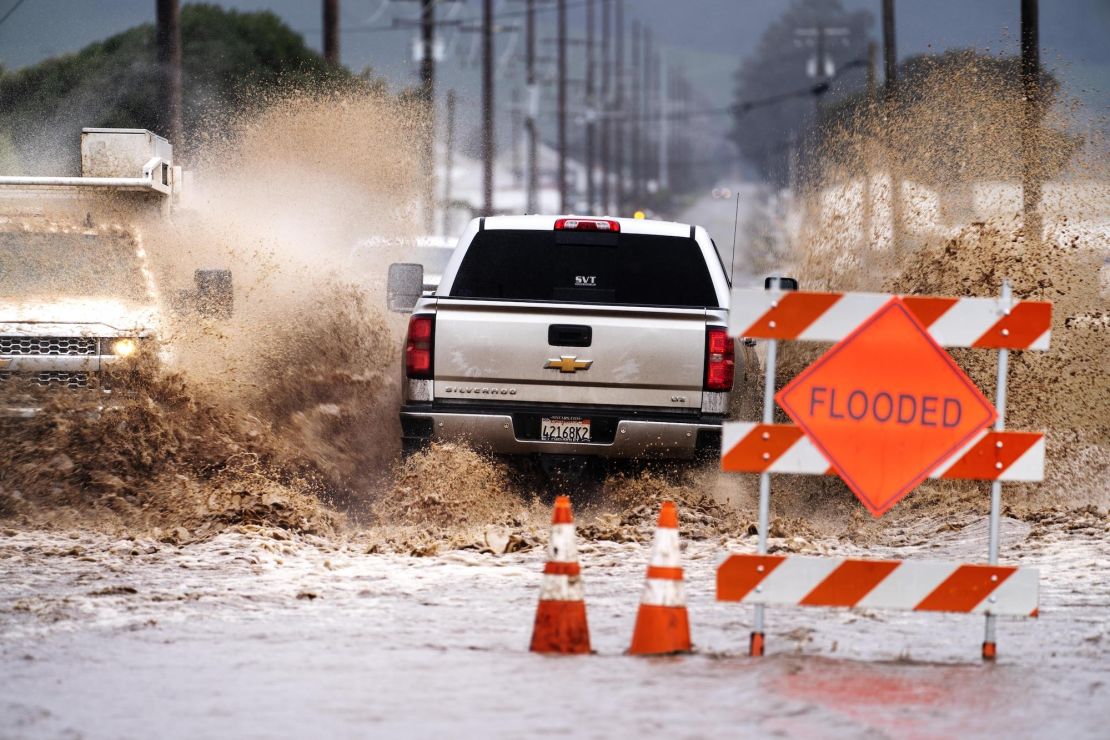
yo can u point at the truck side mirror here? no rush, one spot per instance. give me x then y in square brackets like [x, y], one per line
[785, 283]
[404, 286]
[214, 297]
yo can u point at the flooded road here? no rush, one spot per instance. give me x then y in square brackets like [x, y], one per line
[261, 633]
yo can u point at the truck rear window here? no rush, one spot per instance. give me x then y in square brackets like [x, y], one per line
[585, 267]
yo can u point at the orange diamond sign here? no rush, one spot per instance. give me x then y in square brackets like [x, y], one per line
[886, 405]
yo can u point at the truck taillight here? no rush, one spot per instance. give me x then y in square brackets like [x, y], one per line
[418, 347]
[587, 224]
[720, 359]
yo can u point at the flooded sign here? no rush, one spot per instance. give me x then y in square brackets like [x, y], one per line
[886, 406]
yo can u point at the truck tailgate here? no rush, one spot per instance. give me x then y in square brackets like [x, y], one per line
[498, 351]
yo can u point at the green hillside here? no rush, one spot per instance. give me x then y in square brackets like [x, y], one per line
[229, 59]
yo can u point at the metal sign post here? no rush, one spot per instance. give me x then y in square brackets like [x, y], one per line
[990, 647]
[755, 646]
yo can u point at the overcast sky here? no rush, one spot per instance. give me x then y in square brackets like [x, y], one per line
[709, 37]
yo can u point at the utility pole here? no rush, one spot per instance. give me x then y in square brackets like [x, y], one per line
[530, 126]
[562, 137]
[655, 109]
[821, 75]
[1030, 152]
[606, 102]
[685, 151]
[331, 31]
[426, 93]
[664, 123]
[621, 127]
[427, 96]
[636, 116]
[488, 132]
[872, 54]
[865, 226]
[890, 50]
[591, 130]
[427, 51]
[168, 41]
[514, 138]
[821, 87]
[647, 114]
[644, 126]
[890, 89]
[822, 68]
[449, 162]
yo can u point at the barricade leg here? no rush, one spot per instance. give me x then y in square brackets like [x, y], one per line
[755, 646]
[990, 637]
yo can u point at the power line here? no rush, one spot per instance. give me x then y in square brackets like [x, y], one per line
[11, 10]
[472, 19]
[749, 105]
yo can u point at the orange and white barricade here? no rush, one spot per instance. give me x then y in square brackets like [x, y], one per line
[784, 448]
[910, 585]
[560, 625]
[984, 323]
[662, 624]
[888, 351]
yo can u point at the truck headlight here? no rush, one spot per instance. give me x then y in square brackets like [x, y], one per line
[123, 347]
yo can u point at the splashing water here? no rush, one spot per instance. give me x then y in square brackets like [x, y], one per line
[286, 414]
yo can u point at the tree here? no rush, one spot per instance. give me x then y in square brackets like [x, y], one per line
[779, 65]
[229, 60]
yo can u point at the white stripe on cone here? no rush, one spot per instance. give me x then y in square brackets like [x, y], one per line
[663, 592]
[562, 548]
[665, 553]
[563, 545]
[561, 588]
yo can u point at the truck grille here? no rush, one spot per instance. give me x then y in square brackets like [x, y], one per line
[51, 379]
[79, 346]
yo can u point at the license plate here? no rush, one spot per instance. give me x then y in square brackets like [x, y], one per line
[562, 429]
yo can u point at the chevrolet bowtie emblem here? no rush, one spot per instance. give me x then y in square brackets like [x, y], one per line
[4, 362]
[568, 364]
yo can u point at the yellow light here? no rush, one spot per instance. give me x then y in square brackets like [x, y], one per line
[124, 347]
[639, 215]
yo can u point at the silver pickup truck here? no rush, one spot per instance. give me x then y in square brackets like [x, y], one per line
[569, 336]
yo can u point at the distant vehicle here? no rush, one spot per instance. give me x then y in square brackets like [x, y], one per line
[569, 336]
[77, 296]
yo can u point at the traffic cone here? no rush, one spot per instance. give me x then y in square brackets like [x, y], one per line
[662, 625]
[561, 617]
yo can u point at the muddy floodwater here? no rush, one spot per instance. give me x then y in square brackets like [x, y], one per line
[262, 633]
[285, 575]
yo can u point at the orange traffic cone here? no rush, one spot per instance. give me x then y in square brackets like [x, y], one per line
[662, 625]
[561, 617]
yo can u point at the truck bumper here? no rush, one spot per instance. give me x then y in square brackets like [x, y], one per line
[502, 433]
